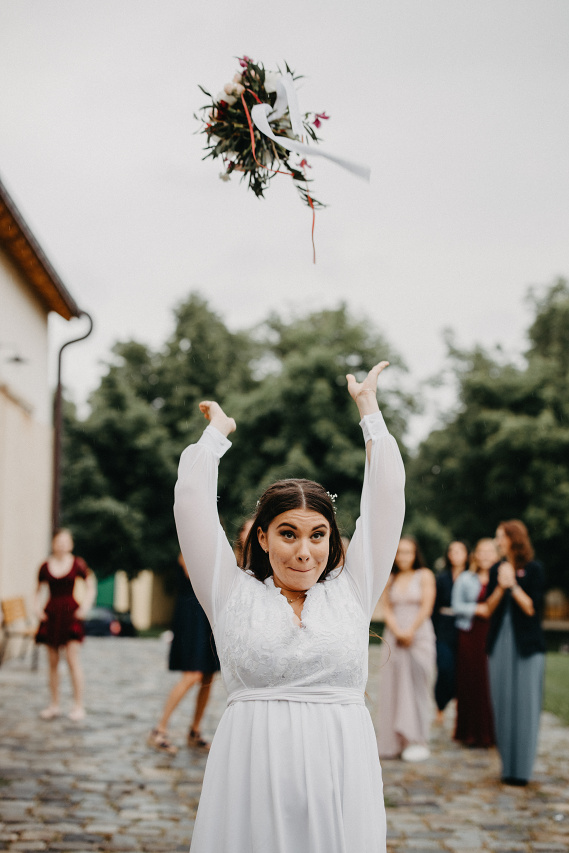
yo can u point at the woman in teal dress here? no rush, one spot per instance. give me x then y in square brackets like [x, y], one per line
[516, 648]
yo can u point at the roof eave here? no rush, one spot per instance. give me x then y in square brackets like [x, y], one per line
[27, 255]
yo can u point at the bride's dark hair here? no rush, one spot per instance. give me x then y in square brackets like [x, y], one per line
[282, 496]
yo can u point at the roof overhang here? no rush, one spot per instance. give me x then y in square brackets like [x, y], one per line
[27, 255]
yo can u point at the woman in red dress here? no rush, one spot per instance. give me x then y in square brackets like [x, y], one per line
[61, 620]
[474, 718]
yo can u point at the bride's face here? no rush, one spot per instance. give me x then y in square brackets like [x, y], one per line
[298, 543]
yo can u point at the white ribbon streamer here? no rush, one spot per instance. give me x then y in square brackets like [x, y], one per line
[262, 114]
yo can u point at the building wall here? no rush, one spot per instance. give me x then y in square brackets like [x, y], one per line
[23, 333]
[25, 436]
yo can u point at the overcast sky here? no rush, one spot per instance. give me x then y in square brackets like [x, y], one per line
[460, 108]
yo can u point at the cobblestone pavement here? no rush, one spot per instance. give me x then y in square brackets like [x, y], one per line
[96, 786]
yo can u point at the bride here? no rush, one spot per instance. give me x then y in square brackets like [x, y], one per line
[293, 765]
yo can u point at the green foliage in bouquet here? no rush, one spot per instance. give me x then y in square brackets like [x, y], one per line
[229, 131]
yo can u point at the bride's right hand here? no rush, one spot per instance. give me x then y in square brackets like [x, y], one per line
[213, 412]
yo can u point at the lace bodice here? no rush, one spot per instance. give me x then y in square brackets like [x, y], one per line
[263, 647]
[258, 642]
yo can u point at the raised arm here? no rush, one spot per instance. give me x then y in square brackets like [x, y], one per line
[208, 555]
[371, 552]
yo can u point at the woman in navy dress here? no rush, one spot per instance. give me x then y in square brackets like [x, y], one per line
[456, 558]
[192, 653]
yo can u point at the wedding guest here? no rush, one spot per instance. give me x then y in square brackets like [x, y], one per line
[516, 648]
[61, 620]
[456, 558]
[192, 653]
[242, 535]
[474, 719]
[408, 657]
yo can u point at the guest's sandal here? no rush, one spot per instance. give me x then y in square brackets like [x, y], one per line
[196, 741]
[161, 742]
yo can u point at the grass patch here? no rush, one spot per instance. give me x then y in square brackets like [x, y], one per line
[151, 633]
[556, 698]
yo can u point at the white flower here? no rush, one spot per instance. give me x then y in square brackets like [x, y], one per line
[271, 78]
[225, 176]
[223, 96]
[238, 78]
[234, 89]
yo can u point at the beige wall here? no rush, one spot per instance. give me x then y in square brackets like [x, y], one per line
[149, 603]
[25, 436]
[23, 332]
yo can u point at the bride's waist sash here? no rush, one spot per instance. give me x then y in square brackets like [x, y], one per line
[321, 695]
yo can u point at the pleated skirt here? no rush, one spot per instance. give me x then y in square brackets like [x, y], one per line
[516, 687]
[292, 777]
[405, 692]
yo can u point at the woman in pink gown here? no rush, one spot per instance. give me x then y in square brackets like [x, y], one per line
[408, 657]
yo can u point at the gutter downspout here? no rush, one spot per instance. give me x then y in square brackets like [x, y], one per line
[57, 424]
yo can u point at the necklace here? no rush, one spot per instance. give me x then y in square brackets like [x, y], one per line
[291, 600]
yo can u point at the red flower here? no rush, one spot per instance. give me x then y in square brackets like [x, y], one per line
[244, 61]
[320, 117]
[304, 164]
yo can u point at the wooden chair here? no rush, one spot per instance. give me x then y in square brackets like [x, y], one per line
[16, 625]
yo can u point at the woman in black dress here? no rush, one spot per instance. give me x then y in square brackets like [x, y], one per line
[456, 558]
[192, 653]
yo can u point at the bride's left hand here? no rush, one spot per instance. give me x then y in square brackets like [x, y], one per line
[364, 393]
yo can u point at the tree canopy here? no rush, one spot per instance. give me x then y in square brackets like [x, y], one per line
[284, 382]
[504, 452]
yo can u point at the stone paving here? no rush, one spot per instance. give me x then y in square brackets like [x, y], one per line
[96, 786]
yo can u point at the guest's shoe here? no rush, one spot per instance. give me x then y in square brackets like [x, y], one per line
[50, 713]
[415, 752]
[196, 741]
[77, 714]
[513, 780]
[161, 742]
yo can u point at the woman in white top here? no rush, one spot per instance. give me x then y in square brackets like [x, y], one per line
[293, 764]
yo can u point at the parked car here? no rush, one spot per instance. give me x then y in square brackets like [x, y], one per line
[106, 622]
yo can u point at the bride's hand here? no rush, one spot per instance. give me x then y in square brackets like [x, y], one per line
[364, 393]
[217, 417]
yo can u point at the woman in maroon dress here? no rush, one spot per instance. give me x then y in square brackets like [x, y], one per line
[474, 719]
[61, 620]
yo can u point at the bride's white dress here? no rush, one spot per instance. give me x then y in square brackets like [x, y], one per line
[293, 766]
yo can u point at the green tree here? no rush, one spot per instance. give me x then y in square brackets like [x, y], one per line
[505, 452]
[299, 420]
[120, 462]
[283, 381]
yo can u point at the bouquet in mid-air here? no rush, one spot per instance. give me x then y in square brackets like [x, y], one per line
[232, 124]
[255, 126]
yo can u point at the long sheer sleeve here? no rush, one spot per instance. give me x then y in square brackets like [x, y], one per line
[208, 555]
[371, 552]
